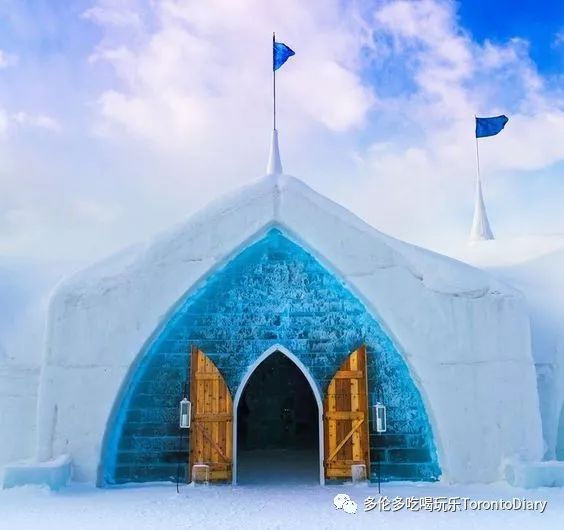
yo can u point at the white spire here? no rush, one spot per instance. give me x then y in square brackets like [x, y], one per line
[274, 166]
[481, 230]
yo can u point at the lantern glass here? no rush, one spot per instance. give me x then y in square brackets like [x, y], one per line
[379, 420]
[185, 413]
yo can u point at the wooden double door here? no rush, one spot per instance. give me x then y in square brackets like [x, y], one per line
[345, 419]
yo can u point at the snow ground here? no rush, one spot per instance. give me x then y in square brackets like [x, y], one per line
[262, 507]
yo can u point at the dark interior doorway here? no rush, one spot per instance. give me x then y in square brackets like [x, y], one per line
[277, 425]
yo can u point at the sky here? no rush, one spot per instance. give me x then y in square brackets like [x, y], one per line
[119, 118]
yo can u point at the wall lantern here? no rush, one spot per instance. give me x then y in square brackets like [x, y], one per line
[185, 413]
[379, 421]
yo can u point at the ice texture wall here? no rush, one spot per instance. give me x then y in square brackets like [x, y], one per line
[274, 292]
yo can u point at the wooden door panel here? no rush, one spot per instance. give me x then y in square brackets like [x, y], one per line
[345, 418]
[211, 438]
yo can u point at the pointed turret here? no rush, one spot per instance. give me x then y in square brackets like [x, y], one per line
[481, 230]
[274, 166]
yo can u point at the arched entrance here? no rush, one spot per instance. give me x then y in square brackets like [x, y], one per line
[278, 430]
[272, 289]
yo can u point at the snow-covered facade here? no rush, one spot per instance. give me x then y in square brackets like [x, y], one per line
[277, 268]
[25, 288]
[278, 265]
[533, 265]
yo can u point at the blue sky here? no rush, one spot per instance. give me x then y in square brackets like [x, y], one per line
[538, 22]
[121, 117]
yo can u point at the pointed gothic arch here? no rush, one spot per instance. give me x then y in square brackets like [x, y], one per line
[271, 292]
[314, 388]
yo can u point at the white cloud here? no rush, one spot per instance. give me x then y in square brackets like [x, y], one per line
[190, 78]
[177, 93]
[119, 14]
[3, 121]
[558, 39]
[41, 121]
[7, 59]
[429, 173]
[92, 211]
[375, 110]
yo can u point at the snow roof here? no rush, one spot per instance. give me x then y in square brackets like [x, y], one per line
[287, 202]
[532, 264]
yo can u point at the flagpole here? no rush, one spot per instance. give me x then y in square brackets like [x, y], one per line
[273, 85]
[477, 156]
[478, 160]
[481, 229]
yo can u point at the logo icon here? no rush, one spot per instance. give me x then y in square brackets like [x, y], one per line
[343, 502]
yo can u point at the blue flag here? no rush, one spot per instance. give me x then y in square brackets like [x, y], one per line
[280, 54]
[490, 126]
